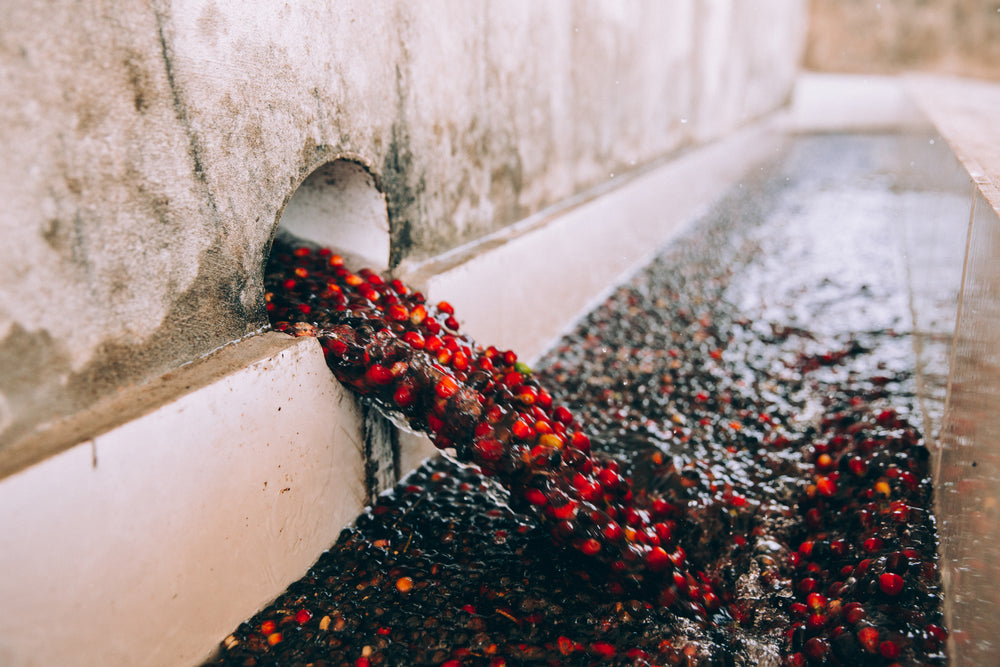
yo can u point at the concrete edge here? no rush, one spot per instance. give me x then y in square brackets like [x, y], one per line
[854, 103]
[964, 111]
[147, 544]
[134, 401]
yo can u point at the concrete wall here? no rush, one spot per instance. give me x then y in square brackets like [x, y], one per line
[149, 149]
[944, 36]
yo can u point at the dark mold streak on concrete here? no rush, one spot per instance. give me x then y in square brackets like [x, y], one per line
[180, 110]
[403, 188]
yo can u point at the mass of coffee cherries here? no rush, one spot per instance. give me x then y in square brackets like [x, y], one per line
[388, 344]
[815, 539]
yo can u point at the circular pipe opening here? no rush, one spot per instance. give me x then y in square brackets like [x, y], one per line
[340, 206]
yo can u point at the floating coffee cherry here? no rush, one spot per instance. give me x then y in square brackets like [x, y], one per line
[890, 583]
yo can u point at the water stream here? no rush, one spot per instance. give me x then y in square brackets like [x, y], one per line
[720, 465]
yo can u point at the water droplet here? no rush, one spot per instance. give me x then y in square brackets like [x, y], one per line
[932, 142]
[612, 174]
[684, 121]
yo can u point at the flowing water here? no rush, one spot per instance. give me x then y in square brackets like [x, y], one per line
[721, 464]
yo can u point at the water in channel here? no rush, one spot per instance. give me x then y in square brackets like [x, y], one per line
[723, 463]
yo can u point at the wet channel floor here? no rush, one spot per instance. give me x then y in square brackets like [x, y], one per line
[759, 374]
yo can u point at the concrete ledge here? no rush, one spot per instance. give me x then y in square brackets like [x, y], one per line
[137, 400]
[147, 544]
[965, 112]
[853, 103]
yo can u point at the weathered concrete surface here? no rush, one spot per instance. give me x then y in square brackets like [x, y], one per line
[957, 37]
[149, 150]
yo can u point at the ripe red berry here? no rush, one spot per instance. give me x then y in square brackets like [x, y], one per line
[613, 532]
[446, 386]
[434, 423]
[562, 414]
[816, 648]
[544, 399]
[588, 489]
[853, 612]
[460, 361]
[513, 379]
[581, 442]
[661, 507]
[826, 486]
[398, 313]
[889, 650]
[936, 636]
[657, 559]
[890, 583]
[609, 479]
[816, 621]
[414, 339]
[566, 645]
[796, 660]
[869, 639]
[873, 544]
[378, 375]
[418, 314]
[526, 394]
[857, 466]
[522, 429]
[535, 497]
[590, 547]
[563, 512]
[488, 450]
[603, 649]
[806, 585]
[816, 602]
